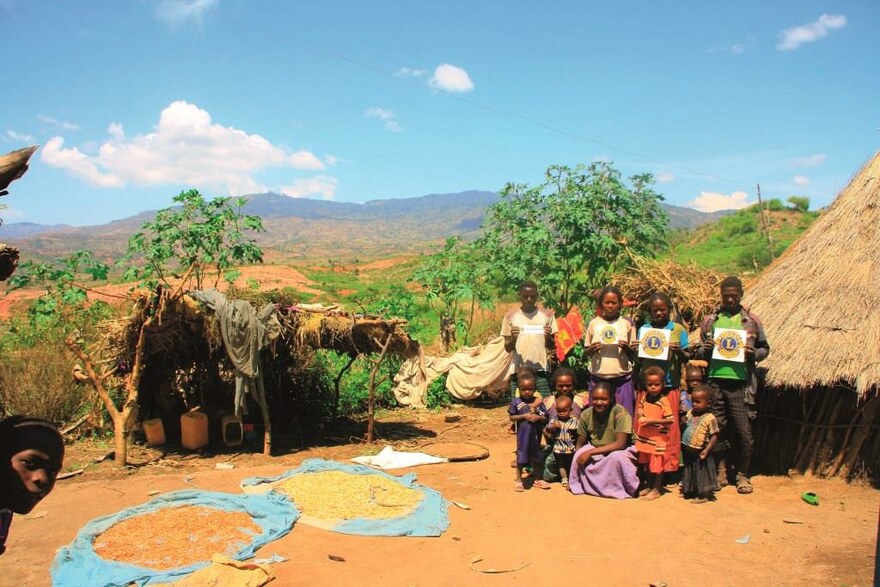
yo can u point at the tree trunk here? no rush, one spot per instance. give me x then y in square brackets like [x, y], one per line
[336, 384]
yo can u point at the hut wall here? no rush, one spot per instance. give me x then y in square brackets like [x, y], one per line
[827, 431]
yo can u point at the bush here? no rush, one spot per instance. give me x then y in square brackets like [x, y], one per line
[37, 381]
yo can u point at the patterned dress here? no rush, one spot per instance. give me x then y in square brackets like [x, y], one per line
[528, 435]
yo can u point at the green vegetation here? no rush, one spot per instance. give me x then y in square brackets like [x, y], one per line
[738, 243]
[193, 239]
[571, 232]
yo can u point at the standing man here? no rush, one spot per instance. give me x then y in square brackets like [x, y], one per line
[528, 334]
[733, 381]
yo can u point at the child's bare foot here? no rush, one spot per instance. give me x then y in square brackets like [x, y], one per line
[644, 491]
[518, 487]
[565, 483]
[651, 495]
[541, 484]
[699, 500]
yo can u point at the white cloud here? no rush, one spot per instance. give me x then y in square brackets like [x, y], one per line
[450, 78]
[331, 159]
[175, 12]
[386, 116]
[305, 160]
[116, 131]
[320, 185]
[793, 38]
[62, 124]
[78, 164]
[185, 148]
[801, 180]
[665, 177]
[410, 72]
[714, 201]
[809, 160]
[19, 137]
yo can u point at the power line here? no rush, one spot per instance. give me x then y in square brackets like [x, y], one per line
[485, 107]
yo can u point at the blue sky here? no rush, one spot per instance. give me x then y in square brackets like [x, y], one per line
[134, 100]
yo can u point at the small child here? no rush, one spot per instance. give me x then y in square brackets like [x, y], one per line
[528, 413]
[693, 378]
[653, 419]
[699, 480]
[31, 454]
[560, 434]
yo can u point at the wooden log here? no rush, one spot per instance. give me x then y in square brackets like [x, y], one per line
[13, 165]
[869, 415]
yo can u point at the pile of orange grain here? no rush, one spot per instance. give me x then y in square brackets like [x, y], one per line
[335, 495]
[176, 537]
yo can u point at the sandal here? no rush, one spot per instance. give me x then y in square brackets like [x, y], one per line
[743, 485]
[541, 484]
[518, 487]
[565, 483]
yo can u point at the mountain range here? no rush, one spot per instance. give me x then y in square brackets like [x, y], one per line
[302, 228]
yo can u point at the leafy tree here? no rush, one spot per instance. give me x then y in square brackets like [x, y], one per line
[800, 204]
[193, 240]
[452, 277]
[573, 231]
[65, 296]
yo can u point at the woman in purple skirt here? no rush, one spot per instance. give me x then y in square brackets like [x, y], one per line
[605, 462]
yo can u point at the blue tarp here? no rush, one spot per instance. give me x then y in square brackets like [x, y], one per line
[429, 518]
[78, 564]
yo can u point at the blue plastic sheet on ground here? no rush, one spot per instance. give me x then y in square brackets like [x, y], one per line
[429, 518]
[78, 564]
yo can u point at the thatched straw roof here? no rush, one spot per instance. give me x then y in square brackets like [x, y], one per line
[820, 301]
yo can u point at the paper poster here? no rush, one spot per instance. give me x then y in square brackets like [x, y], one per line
[730, 345]
[607, 334]
[654, 344]
[532, 329]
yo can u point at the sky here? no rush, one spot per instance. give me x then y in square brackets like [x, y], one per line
[132, 101]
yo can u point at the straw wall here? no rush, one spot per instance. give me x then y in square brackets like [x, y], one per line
[826, 431]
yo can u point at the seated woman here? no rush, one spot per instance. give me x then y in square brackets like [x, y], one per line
[605, 462]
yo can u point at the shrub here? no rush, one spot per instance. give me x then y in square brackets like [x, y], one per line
[37, 381]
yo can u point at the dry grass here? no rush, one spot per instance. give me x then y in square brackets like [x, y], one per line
[176, 537]
[334, 495]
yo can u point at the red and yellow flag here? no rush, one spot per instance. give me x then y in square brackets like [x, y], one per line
[571, 330]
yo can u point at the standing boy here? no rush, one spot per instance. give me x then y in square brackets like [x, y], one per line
[528, 333]
[734, 383]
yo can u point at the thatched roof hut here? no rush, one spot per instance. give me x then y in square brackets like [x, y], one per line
[819, 304]
[171, 345]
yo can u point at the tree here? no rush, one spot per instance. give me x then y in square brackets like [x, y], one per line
[571, 232]
[800, 204]
[450, 278]
[192, 241]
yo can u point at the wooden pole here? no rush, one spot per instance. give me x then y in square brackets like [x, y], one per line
[766, 222]
[371, 398]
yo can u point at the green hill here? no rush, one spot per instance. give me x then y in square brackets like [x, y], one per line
[738, 243]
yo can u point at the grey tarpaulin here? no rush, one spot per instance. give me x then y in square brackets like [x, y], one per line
[245, 331]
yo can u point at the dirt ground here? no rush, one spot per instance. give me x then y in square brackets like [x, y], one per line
[557, 535]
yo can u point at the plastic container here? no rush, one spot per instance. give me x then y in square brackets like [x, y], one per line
[155, 431]
[193, 430]
[232, 429]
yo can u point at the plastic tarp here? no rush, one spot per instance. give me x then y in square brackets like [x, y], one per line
[429, 518]
[78, 564]
[469, 372]
[388, 458]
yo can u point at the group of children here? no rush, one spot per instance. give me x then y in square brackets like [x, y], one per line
[635, 410]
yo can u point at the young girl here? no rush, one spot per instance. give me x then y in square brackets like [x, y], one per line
[604, 461]
[659, 306]
[31, 453]
[528, 413]
[652, 423]
[608, 343]
[699, 480]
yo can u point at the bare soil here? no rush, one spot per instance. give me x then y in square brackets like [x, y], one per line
[559, 537]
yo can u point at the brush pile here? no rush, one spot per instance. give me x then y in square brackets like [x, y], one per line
[693, 289]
